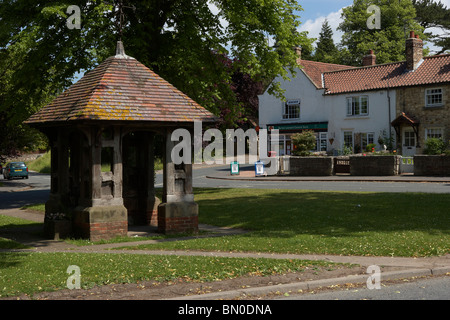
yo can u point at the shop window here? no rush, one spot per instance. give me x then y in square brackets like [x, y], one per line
[322, 141]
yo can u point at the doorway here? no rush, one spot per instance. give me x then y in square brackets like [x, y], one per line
[409, 142]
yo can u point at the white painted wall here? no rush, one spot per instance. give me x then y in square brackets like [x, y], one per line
[315, 107]
[376, 121]
[312, 106]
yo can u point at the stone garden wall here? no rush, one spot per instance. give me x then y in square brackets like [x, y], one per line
[374, 165]
[311, 166]
[425, 165]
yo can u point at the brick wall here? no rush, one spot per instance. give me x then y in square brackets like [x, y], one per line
[172, 225]
[96, 223]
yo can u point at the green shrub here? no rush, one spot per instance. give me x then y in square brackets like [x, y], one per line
[304, 142]
[434, 146]
[370, 147]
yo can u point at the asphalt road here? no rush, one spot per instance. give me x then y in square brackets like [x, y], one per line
[426, 289]
[36, 188]
[201, 180]
[17, 193]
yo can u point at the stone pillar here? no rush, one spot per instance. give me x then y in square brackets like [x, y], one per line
[178, 213]
[57, 206]
[59, 174]
[102, 214]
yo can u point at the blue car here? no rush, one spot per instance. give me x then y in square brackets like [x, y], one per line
[15, 169]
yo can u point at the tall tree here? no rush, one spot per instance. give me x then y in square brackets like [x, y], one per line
[431, 14]
[397, 19]
[182, 40]
[326, 50]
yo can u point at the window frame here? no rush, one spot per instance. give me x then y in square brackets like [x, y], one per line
[287, 114]
[429, 94]
[355, 106]
[427, 132]
[367, 134]
[344, 144]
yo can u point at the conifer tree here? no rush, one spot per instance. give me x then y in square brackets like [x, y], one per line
[326, 50]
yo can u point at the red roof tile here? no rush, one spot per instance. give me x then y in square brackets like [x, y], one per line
[314, 70]
[433, 70]
[121, 88]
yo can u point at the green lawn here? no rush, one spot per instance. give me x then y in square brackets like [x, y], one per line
[34, 272]
[294, 221]
[283, 221]
[11, 222]
[41, 164]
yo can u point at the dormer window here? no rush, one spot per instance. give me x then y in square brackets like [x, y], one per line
[291, 109]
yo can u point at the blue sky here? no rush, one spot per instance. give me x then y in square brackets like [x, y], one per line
[316, 11]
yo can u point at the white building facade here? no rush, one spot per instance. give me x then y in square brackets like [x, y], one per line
[340, 121]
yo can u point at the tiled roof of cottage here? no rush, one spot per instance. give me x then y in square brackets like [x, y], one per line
[121, 88]
[314, 70]
[433, 70]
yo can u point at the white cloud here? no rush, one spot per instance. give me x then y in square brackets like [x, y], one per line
[444, 2]
[314, 26]
[334, 19]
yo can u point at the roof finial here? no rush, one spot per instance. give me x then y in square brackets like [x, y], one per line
[120, 50]
[121, 17]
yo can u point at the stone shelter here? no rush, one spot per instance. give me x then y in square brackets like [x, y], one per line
[101, 131]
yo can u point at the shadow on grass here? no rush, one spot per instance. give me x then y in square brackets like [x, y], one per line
[285, 213]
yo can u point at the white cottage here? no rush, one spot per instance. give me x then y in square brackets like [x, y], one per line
[305, 107]
[341, 118]
[405, 102]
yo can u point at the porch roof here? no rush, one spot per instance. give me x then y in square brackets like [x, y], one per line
[403, 118]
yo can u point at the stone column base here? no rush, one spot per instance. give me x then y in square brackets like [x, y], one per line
[100, 223]
[178, 217]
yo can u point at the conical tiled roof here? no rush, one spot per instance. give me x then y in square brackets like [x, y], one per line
[122, 89]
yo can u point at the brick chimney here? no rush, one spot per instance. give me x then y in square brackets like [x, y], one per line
[369, 59]
[414, 51]
[298, 53]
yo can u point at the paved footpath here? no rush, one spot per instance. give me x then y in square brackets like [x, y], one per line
[398, 267]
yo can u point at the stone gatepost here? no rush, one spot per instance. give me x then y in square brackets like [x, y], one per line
[178, 212]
